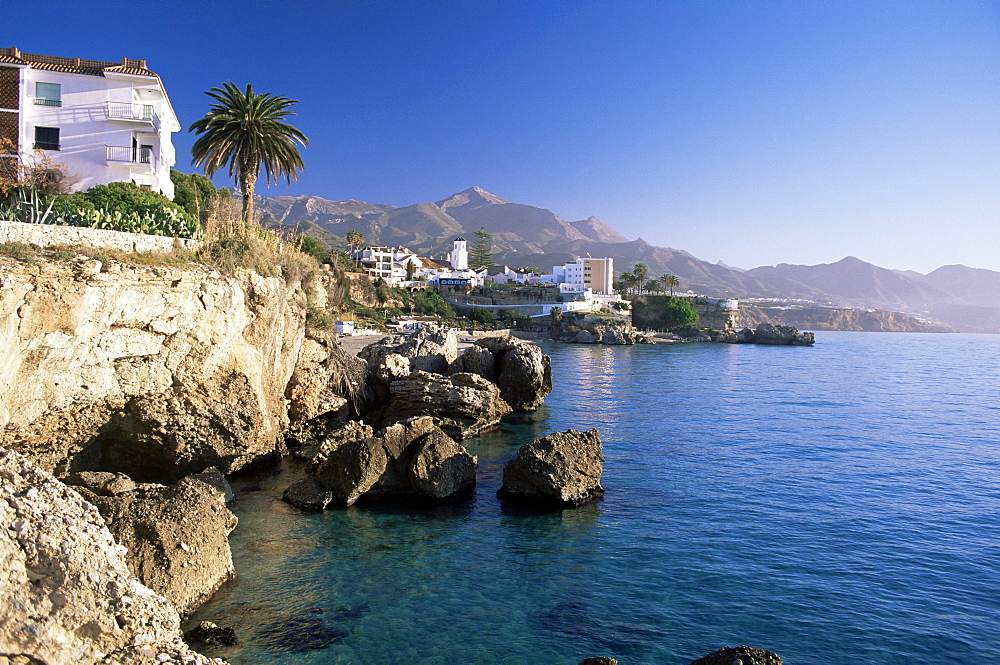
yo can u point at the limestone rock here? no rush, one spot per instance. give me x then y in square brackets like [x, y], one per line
[101, 483]
[412, 457]
[475, 360]
[81, 346]
[307, 494]
[67, 595]
[428, 349]
[441, 468]
[585, 337]
[321, 383]
[599, 660]
[176, 535]
[747, 655]
[164, 436]
[562, 469]
[770, 334]
[499, 344]
[463, 405]
[524, 377]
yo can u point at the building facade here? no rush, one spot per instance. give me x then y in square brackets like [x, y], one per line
[99, 121]
[582, 274]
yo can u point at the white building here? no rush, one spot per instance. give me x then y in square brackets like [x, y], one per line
[582, 274]
[460, 254]
[100, 121]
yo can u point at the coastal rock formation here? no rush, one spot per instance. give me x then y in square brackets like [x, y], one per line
[463, 405]
[589, 328]
[475, 360]
[325, 378]
[524, 376]
[176, 536]
[409, 458]
[99, 348]
[429, 349]
[744, 654]
[67, 595]
[560, 470]
[766, 333]
[599, 660]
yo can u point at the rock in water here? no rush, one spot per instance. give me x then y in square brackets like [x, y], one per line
[766, 333]
[728, 655]
[441, 468]
[409, 458]
[524, 377]
[599, 660]
[560, 470]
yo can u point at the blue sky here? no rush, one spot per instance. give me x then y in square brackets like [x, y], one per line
[749, 132]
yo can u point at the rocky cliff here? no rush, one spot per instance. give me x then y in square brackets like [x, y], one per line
[833, 318]
[156, 372]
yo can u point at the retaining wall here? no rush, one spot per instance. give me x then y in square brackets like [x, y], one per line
[48, 235]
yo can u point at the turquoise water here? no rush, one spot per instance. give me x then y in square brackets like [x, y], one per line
[835, 504]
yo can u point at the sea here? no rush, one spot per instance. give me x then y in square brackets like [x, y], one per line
[833, 504]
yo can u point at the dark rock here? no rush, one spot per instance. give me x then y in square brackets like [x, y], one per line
[475, 360]
[524, 377]
[307, 494]
[297, 634]
[207, 632]
[766, 333]
[748, 656]
[413, 457]
[599, 660]
[441, 468]
[560, 470]
[499, 344]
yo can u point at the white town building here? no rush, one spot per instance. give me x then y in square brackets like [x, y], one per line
[99, 121]
[582, 274]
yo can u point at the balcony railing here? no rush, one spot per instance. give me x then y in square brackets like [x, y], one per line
[46, 145]
[126, 111]
[121, 153]
[45, 101]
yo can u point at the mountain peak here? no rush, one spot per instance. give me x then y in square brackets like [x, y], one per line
[472, 196]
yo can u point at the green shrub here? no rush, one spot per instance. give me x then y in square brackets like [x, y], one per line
[669, 313]
[319, 319]
[430, 303]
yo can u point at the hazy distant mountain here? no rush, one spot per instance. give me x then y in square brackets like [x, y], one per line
[964, 298]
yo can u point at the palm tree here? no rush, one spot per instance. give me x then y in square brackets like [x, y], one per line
[245, 129]
[670, 281]
[641, 272]
[355, 239]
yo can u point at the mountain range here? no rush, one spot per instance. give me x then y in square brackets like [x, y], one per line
[963, 298]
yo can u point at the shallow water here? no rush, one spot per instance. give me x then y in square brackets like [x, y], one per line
[835, 504]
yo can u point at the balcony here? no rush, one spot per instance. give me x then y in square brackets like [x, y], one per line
[129, 155]
[133, 113]
[45, 101]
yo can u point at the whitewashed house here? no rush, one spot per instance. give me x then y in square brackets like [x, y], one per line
[101, 121]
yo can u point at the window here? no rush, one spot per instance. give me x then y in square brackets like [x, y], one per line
[46, 138]
[48, 94]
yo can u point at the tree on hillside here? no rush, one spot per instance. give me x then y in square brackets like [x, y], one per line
[669, 282]
[653, 286]
[354, 240]
[641, 273]
[196, 193]
[481, 255]
[245, 130]
[629, 283]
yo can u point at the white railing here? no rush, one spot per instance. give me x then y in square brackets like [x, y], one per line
[138, 155]
[126, 111]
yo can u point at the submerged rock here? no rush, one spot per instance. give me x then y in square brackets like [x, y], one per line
[599, 660]
[746, 655]
[561, 470]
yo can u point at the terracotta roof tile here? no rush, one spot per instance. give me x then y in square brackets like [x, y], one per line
[74, 65]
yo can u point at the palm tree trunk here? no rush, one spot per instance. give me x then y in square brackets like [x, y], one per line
[248, 177]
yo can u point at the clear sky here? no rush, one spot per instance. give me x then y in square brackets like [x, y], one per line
[749, 132]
